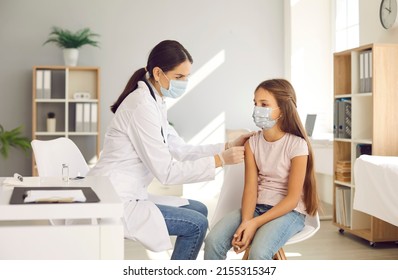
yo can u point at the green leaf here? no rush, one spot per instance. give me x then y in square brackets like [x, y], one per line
[13, 138]
[67, 39]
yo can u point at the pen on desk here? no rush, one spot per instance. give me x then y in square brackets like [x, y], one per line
[18, 177]
[77, 178]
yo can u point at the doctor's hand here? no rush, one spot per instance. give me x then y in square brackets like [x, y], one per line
[240, 141]
[233, 155]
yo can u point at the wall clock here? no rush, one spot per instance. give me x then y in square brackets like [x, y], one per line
[388, 13]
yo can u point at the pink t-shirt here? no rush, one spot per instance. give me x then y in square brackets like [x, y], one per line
[273, 161]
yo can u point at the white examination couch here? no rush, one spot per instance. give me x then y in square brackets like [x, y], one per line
[376, 187]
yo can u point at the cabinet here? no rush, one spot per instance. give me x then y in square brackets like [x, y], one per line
[72, 94]
[372, 123]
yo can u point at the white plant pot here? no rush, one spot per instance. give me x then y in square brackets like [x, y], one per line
[51, 123]
[71, 56]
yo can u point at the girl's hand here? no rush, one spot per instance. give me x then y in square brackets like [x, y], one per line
[244, 236]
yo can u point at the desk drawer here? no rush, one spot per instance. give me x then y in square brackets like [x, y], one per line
[76, 242]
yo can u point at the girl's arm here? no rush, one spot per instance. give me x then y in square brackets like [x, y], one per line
[249, 198]
[241, 238]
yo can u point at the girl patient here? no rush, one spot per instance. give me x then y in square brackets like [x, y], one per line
[280, 188]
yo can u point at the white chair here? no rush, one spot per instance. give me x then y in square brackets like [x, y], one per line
[49, 157]
[231, 192]
[51, 154]
[231, 197]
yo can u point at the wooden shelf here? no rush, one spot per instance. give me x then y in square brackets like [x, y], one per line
[64, 82]
[373, 121]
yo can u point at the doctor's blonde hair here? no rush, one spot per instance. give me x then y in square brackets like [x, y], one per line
[290, 122]
[166, 55]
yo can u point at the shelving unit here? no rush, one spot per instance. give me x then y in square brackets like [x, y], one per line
[55, 93]
[373, 121]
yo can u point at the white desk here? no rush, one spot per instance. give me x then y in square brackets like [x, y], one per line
[25, 232]
[323, 158]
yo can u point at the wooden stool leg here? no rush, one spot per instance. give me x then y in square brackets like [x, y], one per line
[280, 255]
[246, 255]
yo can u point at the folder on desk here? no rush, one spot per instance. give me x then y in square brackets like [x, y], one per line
[38, 196]
[19, 194]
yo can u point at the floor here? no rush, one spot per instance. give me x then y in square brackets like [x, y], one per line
[326, 244]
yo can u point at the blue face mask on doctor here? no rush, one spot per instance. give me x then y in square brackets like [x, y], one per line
[176, 88]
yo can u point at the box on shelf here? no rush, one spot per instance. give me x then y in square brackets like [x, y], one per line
[343, 170]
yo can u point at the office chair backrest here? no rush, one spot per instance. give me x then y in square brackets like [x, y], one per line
[51, 154]
[231, 192]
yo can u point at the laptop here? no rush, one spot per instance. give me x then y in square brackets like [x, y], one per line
[310, 124]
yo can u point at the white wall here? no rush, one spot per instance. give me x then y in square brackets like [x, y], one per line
[370, 28]
[248, 34]
[309, 46]
[311, 60]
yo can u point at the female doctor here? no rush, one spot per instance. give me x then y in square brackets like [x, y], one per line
[140, 145]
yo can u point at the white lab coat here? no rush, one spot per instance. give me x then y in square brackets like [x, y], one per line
[134, 152]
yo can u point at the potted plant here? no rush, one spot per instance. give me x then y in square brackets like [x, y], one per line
[12, 138]
[70, 42]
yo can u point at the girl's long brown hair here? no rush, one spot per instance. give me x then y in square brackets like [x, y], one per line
[290, 122]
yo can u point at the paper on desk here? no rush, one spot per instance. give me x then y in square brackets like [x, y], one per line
[168, 200]
[27, 182]
[54, 196]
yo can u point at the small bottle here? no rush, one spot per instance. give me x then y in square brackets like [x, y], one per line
[65, 172]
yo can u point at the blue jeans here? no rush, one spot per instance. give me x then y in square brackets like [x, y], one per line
[189, 224]
[268, 239]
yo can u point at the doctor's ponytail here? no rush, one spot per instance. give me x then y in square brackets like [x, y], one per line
[131, 86]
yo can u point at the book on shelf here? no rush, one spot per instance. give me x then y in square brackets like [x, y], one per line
[365, 71]
[361, 72]
[47, 84]
[343, 176]
[343, 206]
[93, 117]
[79, 117]
[370, 81]
[347, 205]
[344, 118]
[86, 117]
[336, 118]
[343, 171]
[343, 165]
[338, 202]
[39, 84]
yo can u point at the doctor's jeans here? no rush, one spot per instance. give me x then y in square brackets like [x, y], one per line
[268, 239]
[189, 224]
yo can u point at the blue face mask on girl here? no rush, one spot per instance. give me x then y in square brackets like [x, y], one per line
[176, 88]
[262, 117]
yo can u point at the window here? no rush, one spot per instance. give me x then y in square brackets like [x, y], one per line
[346, 24]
